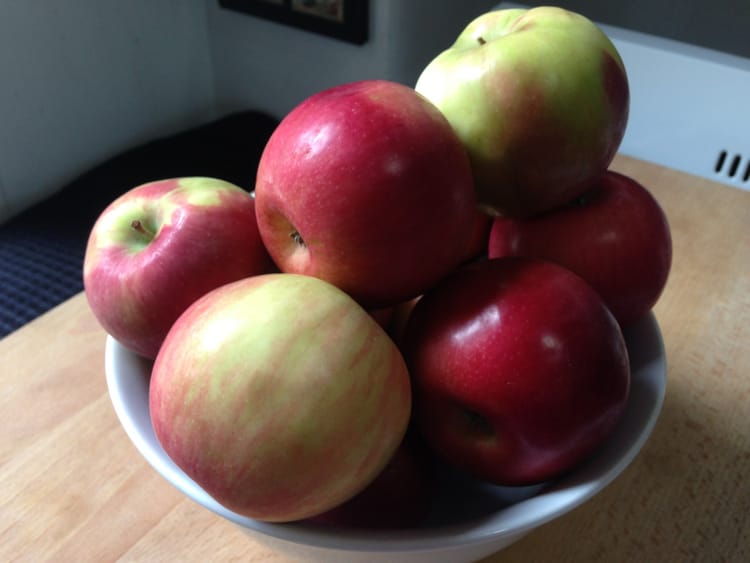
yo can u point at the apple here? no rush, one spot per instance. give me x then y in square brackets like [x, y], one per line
[160, 246]
[280, 396]
[519, 370]
[480, 236]
[616, 237]
[399, 319]
[540, 99]
[401, 496]
[366, 186]
[382, 316]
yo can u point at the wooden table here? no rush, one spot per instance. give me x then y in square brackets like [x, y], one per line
[73, 487]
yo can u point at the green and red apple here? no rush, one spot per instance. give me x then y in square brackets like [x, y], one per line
[162, 245]
[367, 186]
[280, 396]
[539, 98]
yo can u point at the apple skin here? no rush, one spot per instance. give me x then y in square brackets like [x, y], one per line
[519, 370]
[366, 185]
[382, 316]
[280, 396]
[480, 236]
[160, 246]
[616, 237]
[540, 99]
[401, 496]
[399, 319]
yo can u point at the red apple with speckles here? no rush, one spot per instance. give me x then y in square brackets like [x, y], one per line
[616, 237]
[519, 370]
[539, 98]
[162, 245]
[280, 396]
[366, 185]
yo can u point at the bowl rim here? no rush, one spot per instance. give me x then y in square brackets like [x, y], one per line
[647, 390]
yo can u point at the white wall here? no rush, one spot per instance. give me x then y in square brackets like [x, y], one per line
[84, 79]
[269, 66]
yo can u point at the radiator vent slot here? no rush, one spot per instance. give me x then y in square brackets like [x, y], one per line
[733, 166]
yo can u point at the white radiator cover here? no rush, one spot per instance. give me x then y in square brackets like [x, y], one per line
[689, 108]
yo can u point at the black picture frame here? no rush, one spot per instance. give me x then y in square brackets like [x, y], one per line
[346, 20]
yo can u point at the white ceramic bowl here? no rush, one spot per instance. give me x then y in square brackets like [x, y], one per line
[469, 522]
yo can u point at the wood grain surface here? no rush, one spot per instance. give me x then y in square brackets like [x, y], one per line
[74, 488]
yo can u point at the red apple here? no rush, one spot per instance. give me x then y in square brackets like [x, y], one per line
[366, 185]
[280, 396]
[399, 319]
[162, 245]
[480, 235]
[400, 496]
[382, 316]
[519, 370]
[616, 237]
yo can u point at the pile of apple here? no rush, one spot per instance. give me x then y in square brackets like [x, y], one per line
[446, 267]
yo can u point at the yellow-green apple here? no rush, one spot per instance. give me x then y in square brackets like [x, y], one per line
[366, 185]
[540, 99]
[280, 396]
[161, 245]
[616, 237]
[519, 369]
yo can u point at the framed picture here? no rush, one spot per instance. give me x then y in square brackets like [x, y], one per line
[343, 19]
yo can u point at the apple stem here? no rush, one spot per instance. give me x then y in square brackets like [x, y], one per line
[297, 238]
[481, 40]
[138, 226]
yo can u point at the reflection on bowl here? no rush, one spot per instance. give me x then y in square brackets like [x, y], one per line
[469, 520]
